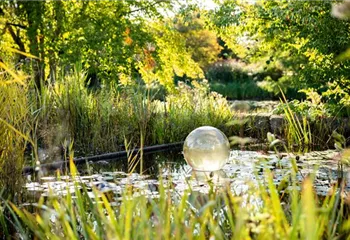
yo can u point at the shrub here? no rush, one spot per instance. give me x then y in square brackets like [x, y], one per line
[228, 71]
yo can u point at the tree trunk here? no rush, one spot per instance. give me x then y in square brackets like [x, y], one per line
[34, 12]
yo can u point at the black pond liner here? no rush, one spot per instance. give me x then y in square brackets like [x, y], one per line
[106, 157]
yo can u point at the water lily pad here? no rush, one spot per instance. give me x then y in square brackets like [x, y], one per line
[48, 179]
[108, 178]
[32, 184]
[35, 189]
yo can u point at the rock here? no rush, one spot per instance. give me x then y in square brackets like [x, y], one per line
[277, 124]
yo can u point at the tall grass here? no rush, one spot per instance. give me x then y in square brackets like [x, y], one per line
[305, 131]
[14, 129]
[99, 121]
[298, 132]
[262, 213]
[188, 108]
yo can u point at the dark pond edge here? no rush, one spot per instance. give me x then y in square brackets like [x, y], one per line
[106, 157]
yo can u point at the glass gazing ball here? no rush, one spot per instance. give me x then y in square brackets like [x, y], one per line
[218, 178]
[206, 149]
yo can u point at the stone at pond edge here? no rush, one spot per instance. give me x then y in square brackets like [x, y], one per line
[277, 123]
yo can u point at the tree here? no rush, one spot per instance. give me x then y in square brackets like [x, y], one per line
[200, 40]
[111, 38]
[301, 37]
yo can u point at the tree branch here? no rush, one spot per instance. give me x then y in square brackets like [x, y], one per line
[16, 39]
[16, 25]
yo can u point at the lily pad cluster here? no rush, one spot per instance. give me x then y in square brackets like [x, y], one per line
[244, 171]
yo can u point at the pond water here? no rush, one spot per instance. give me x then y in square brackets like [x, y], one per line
[243, 170]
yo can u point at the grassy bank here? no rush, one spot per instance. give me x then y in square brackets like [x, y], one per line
[101, 120]
[98, 121]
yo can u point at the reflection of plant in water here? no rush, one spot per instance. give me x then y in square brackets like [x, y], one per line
[286, 181]
[344, 156]
[260, 214]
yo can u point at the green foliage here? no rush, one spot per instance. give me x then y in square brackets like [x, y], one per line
[100, 121]
[235, 80]
[310, 124]
[228, 71]
[188, 108]
[301, 38]
[298, 129]
[97, 121]
[170, 58]
[115, 40]
[238, 80]
[201, 41]
[14, 129]
[312, 107]
[240, 91]
[264, 213]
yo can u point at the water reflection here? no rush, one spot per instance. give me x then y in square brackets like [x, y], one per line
[241, 174]
[217, 178]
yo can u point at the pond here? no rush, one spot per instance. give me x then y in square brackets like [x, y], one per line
[243, 170]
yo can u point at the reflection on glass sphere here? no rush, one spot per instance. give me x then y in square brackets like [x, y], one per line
[206, 149]
[215, 177]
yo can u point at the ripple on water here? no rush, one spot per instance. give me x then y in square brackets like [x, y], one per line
[242, 172]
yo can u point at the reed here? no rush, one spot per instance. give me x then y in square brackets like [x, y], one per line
[298, 131]
[15, 127]
[99, 121]
[261, 213]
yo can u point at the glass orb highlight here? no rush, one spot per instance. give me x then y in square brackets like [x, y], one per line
[206, 149]
[218, 178]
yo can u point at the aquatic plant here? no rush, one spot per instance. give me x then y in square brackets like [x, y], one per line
[99, 121]
[298, 131]
[188, 108]
[309, 124]
[263, 212]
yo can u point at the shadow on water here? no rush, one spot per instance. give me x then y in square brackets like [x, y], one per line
[152, 163]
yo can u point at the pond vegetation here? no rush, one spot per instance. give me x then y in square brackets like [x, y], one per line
[81, 78]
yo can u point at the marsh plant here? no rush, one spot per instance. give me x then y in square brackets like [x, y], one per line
[99, 121]
[48, 119]
[309, 124]
[262, 212]
[187, 108]
[15, 125]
